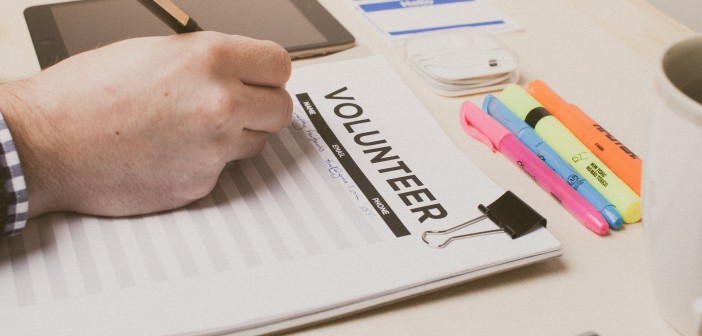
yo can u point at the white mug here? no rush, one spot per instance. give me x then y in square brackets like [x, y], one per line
[672, 186]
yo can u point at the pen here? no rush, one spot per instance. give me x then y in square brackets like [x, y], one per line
[627, 202]
[613, 153]
[484, 128]
[171, 15]
[531, 140]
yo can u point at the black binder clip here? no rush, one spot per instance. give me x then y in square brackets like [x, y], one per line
[509, 212]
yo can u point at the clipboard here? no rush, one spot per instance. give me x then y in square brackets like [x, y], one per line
[286, 238]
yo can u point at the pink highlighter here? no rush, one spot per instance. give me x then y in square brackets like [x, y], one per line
[481, 126]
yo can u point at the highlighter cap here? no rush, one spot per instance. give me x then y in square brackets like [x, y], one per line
[612, 216]
[495, 108]
[518, 100]
[482, 126]
[547, 97]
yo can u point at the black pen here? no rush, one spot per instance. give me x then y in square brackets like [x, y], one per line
[171, 15]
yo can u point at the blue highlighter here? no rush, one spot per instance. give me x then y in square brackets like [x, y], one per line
[528, 136]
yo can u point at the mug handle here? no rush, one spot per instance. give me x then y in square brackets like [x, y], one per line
[697, 309]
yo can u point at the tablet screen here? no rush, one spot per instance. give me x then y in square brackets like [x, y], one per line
[65, 29]
[118, 20]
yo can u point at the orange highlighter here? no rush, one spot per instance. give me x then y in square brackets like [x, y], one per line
[620, 159]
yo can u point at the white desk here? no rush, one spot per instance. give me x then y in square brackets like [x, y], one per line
[598, 54]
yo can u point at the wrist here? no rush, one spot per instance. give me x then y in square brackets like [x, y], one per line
[21, 113]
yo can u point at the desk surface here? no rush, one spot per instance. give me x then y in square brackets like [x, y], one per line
[598, 54]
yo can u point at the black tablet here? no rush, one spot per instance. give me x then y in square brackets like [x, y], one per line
[303, 27]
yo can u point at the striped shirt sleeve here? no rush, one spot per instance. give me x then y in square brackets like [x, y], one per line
[14, 205]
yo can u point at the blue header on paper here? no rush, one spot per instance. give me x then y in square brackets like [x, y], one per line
[422, 30]
[405, 4]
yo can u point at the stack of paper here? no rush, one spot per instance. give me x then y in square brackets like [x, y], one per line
[327, 220]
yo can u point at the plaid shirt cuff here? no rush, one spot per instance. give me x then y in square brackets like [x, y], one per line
[14, 186]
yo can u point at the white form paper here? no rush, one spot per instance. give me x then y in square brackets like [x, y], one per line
[311, 228]
[399, 19]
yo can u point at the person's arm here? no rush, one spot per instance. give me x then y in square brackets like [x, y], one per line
[13, 191]
[146, 124]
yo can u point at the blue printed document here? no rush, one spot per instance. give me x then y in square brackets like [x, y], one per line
[399, 19]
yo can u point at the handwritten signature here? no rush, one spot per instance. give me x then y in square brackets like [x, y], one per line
[337, 172]
[298, 122]
[315, 139]
[366, 211]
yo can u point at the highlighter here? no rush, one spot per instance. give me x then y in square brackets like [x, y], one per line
[482, 127]
[613, 153]
[495, 108]
[627, 202]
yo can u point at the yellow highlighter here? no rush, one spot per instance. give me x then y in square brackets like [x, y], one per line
[556, 135]
[613, 153]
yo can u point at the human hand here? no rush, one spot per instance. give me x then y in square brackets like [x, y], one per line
[146, 124]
